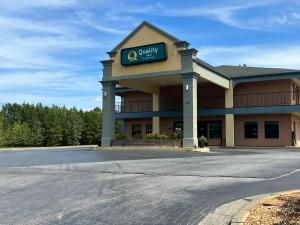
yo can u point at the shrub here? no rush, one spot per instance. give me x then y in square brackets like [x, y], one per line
[202, 141]
[137, 136]
[120, 137]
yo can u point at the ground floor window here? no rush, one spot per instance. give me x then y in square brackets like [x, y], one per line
[271, 129]
[136, 131]
[178, 126]
[149, 128]
[251, 130]
[215, 129]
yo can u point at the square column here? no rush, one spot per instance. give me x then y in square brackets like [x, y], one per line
[229, 118]
[155, 108]
[108, 113]
[190, 138]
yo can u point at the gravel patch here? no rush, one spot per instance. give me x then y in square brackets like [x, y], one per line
[281, 210]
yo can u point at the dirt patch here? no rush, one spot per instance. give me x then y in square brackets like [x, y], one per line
[281, 210]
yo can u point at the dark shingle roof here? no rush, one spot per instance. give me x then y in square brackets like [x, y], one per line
[246, 71]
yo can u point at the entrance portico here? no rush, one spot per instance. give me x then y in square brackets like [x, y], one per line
[181, 67]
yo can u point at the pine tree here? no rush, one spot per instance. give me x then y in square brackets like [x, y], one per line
[73, 128]
[2, 131]
[18, 135]
[92, 127]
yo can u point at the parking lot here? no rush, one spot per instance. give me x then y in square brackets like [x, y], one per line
[81, 186]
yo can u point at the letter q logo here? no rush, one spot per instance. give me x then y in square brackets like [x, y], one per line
[132, 56]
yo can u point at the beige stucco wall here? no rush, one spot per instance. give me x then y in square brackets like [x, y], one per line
[296, 120]
[146, 36]
[284, 130]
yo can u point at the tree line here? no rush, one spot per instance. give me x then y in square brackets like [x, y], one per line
[38, 125]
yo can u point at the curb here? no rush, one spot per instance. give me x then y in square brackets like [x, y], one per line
[47, 148]
[236, 212]
[149, 148]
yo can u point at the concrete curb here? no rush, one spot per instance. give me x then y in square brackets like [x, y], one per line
[149, 148]
[47, 148]
[142, 148]
[236, 212]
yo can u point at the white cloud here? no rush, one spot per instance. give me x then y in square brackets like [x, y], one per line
[22, 4]
[48, 81]
[232, 13]
[284, 56]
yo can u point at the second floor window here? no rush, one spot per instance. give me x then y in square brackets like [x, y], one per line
[251, 129]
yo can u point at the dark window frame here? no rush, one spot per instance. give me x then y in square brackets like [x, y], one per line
[251, 130]
[134, 133]
[174, 126]
[217, 130]
[271, 132]
[149, 128]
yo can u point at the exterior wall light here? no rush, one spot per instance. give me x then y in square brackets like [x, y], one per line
[187, 87]
[105, 93]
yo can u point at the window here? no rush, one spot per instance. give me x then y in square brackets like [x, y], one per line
[251, 130]
[136, 131]
[178, 126]
[271, 129]
[215, 129]
[149, 128]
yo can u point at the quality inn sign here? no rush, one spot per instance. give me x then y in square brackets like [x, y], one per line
[144, 54]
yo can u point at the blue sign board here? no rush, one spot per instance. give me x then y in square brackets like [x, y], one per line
[144, 54]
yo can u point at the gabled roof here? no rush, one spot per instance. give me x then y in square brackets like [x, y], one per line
[145, 23]
[246, 71]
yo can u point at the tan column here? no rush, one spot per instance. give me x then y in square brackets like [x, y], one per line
[155, 108]
[229, 118]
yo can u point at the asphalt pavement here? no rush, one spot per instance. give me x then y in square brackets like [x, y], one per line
[135, 187]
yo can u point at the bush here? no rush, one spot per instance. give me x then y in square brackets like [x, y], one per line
[120, 137]
[137, 136]
[202, 141]
[164, 136]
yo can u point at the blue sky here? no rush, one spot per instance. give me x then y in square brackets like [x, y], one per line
[50, 49]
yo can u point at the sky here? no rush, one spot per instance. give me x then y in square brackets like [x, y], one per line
[50, 49]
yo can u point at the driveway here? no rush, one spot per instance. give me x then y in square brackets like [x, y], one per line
[135, 187]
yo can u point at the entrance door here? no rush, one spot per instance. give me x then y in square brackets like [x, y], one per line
[202, 129]
[212, 130]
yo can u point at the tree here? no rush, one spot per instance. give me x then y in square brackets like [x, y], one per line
[38, 125]
[18, 135]
[53, 127]
[91, 133]
[2, 131]
[73, 128]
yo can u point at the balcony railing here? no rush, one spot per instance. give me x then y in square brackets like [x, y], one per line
[214, 102]
[266, 99]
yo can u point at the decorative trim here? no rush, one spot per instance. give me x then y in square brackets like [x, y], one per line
[108, 82]
[182, 44]
[189, 75]
[146, 75]
[190, 51]
[107, 62]
[112, 54]
[144, 23]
